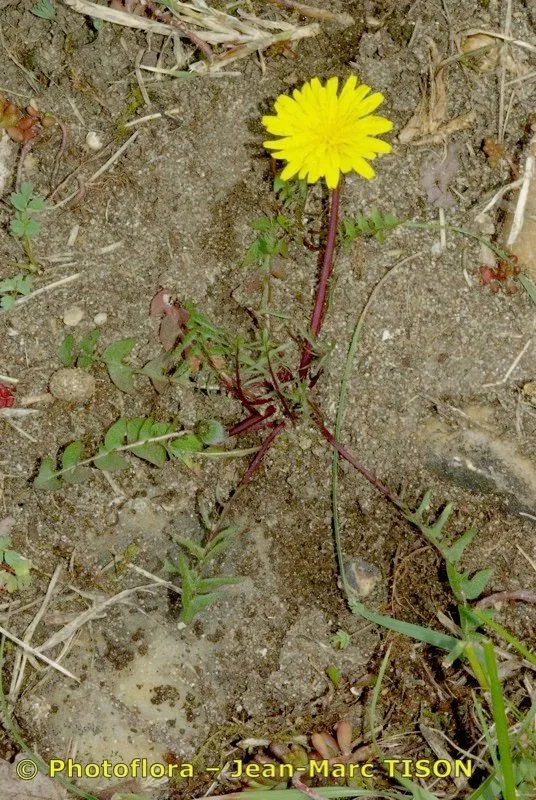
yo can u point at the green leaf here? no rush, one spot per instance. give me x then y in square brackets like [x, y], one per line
[210, 432]
[262, 224]
[31, 228]
[7, 302]
[473, 587]
[77, 475]
[115, 436]
[220, 543]
[71, 455]
[163, 428]
[455, 551]
[193, 548]
[197, 604]
[418, 632]
[46, 477]
[119, 350]
[111, 462]
[17, 227]
[37, 204]
[334, 675]
[20, 199]
[121, 374]
[156, 370]
[153, 452]
[134, 428]
[188, 578]
[528, 286]
[189, 443]
[18, 563]
[43, 9]
[87, 346]
[66, 351]
[8, 582]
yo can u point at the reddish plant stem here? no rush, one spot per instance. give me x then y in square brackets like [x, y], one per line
[288, 411]
[258, 458]
[319, 309]
[351, 459]
[252, 423]
[59, 154]
[24, 151]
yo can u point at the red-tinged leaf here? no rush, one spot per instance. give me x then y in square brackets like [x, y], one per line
[161, 303]
[170, 331]
[344, 737]
[325, 744]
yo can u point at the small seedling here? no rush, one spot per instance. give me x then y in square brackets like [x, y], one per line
[199, 592]
[83, 354]
[44, 9]
[14, 568]
[24, 224]
[11, 288]
[341, 640]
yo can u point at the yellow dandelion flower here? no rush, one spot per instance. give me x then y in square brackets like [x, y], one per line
[324, 133]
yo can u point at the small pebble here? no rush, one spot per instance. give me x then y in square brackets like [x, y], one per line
[529, 392]
[73, 316]
[72, 385]
[361, 576]
[93, 141]
[100, 319]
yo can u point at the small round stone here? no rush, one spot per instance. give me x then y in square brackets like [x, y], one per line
[100, 319]
[72, 385]
[361, 576]
[73, 316]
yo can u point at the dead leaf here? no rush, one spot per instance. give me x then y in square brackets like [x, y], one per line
[429, 122]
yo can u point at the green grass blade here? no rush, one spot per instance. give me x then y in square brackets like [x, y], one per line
[485, 619]
[374, 701]
[418, 632]
[528, 286]
[501, 723]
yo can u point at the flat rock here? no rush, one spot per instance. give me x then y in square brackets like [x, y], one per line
[479, 460]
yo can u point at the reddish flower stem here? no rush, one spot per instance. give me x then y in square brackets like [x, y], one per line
[319, 309]
[254, 422]
[259, 456]
[351, 459]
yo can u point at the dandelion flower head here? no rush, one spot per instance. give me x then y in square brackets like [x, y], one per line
[324, 134]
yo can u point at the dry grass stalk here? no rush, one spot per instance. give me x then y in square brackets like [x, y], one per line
[429, 122]
[200, 22]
